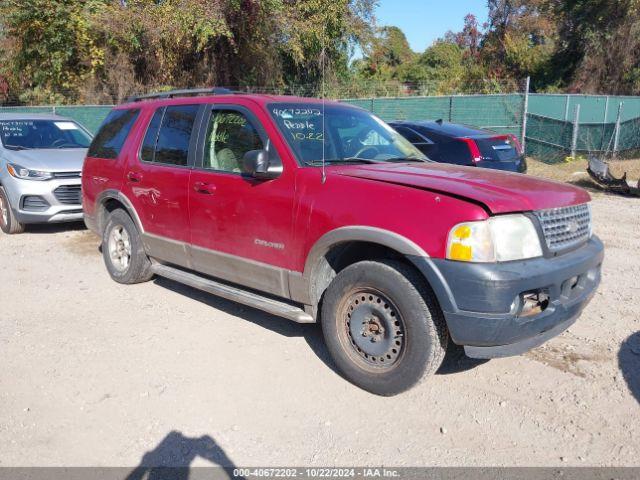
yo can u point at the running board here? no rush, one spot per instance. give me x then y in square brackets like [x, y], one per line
[275, 307]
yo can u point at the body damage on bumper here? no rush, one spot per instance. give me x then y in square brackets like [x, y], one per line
[481, 302]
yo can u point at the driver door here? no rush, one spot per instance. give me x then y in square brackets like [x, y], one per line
[240, 226]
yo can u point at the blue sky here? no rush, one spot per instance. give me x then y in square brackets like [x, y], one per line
[424, 21]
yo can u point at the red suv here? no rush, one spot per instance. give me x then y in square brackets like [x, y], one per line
[319, 211]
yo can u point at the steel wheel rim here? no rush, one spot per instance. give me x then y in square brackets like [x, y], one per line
[119, 246]
[4, 212]
[374, 329]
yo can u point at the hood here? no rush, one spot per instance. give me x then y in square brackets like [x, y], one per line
[50, 160]
[499, 192]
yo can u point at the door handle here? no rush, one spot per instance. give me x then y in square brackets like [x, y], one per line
[205, 188]
[134, 177]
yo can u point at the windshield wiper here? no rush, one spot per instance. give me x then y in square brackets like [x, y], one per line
[405, 159]
[337, 161]
[16, 147]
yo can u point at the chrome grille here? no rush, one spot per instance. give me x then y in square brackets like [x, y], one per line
[565, 227]
[68, 194]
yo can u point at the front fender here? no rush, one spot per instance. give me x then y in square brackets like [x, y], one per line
[302, 286]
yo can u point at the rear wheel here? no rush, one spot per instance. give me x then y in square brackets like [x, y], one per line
[8, 222]
[123, 251]
[383, 326]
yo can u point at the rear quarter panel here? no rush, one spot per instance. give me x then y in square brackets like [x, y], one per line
[100, 174]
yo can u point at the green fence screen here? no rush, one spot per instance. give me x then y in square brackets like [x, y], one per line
[501, 113]
[606, 125]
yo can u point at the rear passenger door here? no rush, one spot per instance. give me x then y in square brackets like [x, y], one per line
[157, 181]
[240, 226]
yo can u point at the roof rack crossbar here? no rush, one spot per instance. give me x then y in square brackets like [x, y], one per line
[189, 92]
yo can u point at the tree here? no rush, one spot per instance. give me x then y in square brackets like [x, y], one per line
[520, 39]
[444, 66]
[47, 49]
[388, 50]
[598, 45]
[91, 50]
[469, 38]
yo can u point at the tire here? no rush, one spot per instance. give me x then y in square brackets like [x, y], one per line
[123, 252]
[8, 222]
[383, 326]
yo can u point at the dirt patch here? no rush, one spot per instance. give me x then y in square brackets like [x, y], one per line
[565, 358]
[94, 373]
[83, 242]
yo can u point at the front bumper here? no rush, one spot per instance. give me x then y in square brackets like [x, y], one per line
[484, 305]
[51, 215]
[54, 212]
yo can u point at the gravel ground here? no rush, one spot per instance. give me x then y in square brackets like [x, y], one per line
[93, 373]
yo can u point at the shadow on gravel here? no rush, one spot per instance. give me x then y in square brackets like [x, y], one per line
[629, 363]
[455, 361]
[310, 332]
[171, 459]
[50, 228]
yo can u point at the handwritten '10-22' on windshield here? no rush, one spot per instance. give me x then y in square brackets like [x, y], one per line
[313, 136]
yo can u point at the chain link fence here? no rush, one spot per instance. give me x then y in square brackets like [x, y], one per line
[571, 126]
[502, 113]
[556, 127]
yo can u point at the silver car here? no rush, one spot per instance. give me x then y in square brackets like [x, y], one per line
[40, 169]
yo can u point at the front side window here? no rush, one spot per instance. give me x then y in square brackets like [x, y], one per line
[112, 134]
[169, 134]
[42, 134]
[339, 134]
[229, 137]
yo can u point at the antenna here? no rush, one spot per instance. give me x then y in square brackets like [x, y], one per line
[324, 174]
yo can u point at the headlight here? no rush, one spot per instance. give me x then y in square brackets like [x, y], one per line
[498, 239]
[26, 174]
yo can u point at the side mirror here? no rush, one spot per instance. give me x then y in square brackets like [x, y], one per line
[256, 164]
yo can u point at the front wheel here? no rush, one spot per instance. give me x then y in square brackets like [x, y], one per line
[9, 224]
[383, 326]
[123, 251]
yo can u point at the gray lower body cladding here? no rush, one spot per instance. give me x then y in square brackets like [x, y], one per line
[483, 303]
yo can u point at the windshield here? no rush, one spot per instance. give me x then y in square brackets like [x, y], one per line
[38, 134]
[350, 135]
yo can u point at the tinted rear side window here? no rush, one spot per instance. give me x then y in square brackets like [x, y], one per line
[112, 134]
[172, 146]
[410, 135]
[497, 149]
[455, 152]
[148, 150]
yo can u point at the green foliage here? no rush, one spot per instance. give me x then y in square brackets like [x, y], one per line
[50, 50]
[57, 51]
[72, 50]
[598, 45]
[388, 56]
[444, 66]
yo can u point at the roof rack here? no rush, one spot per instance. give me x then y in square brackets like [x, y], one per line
[189, 92]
